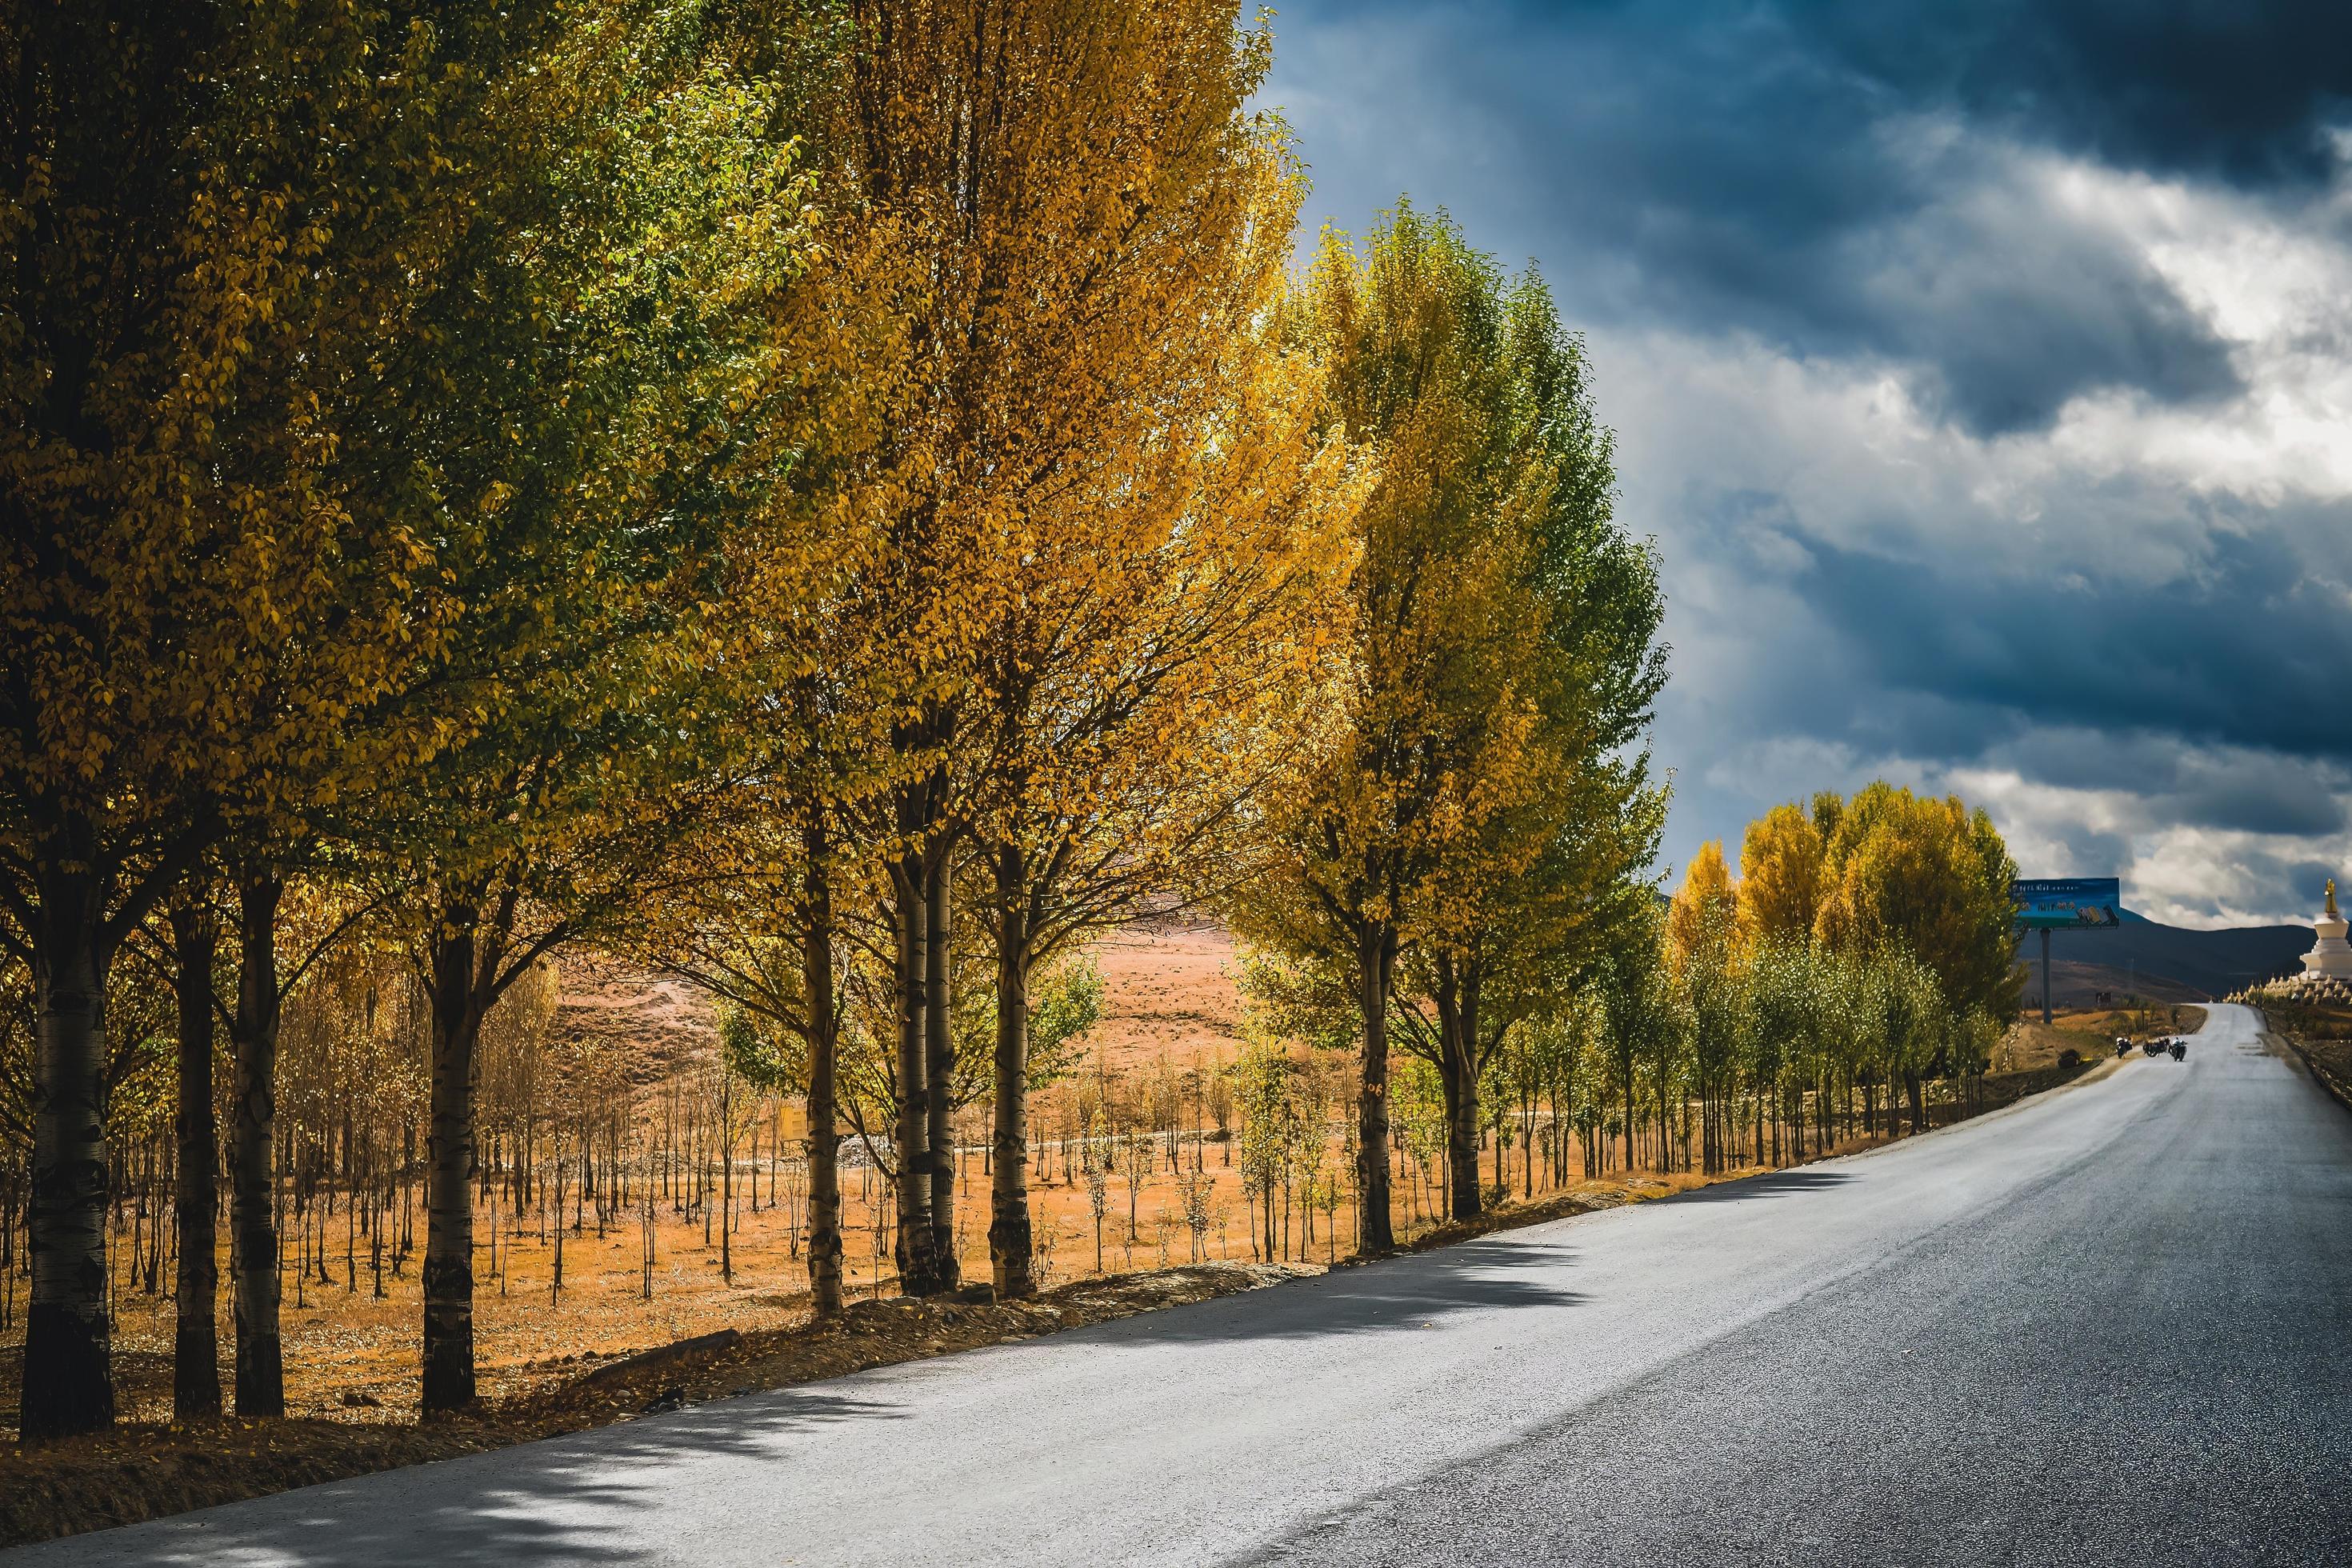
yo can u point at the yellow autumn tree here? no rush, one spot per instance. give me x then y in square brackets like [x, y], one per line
[197, 227]
[1780, 878]
[1103, 474]
[935, 148]
[1710, 972]
[1140, 686]
[1704, 903]
[1930, 877]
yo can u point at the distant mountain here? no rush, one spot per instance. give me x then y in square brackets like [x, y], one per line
[2077, 985]
[2142, 951]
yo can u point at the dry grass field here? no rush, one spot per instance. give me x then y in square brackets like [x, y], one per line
[350, 1339]
[1170, 1006]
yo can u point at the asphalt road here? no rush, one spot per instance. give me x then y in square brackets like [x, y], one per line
[2107, 1326]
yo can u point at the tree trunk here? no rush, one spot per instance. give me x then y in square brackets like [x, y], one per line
[1009, 1240]
[1375, 962]
[1625, 1069]
[1462, 1199]
[253, 1126]
[726, 1183]
[68, 1383]
[1707, 1153]
[938, 1054]
[823, 1122]
[913, 1128]
[195, 1202]
[1458, 1070]
[448, 1358]
[1527, 1149]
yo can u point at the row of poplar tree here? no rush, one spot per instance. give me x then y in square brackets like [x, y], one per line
[1867, 954]
[763, 485]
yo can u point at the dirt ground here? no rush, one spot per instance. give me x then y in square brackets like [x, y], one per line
[350, 1355]
[1168, 991]
[350, 1337]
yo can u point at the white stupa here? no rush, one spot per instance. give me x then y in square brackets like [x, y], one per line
[2332, 958]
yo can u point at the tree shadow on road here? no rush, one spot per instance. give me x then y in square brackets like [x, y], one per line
[1500, 1270]
[1403, 1292]
[1771, 1184]
[559, 1501]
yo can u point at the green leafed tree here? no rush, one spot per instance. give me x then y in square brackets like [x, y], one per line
[1483, 806]
[587, 405]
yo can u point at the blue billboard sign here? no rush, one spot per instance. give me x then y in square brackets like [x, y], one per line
[2068, 903]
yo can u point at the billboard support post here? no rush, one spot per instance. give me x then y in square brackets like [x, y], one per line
[2045, 974]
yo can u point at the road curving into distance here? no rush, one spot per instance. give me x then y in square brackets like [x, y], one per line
[2109, 1325]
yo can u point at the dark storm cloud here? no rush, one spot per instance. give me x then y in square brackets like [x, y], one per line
[2013, 312]
[2222, 787]
[2219, 88]
[2248, 652]
[2261, 802]
[1791, 171]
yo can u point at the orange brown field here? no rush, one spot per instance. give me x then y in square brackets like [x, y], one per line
[1170, 1009]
